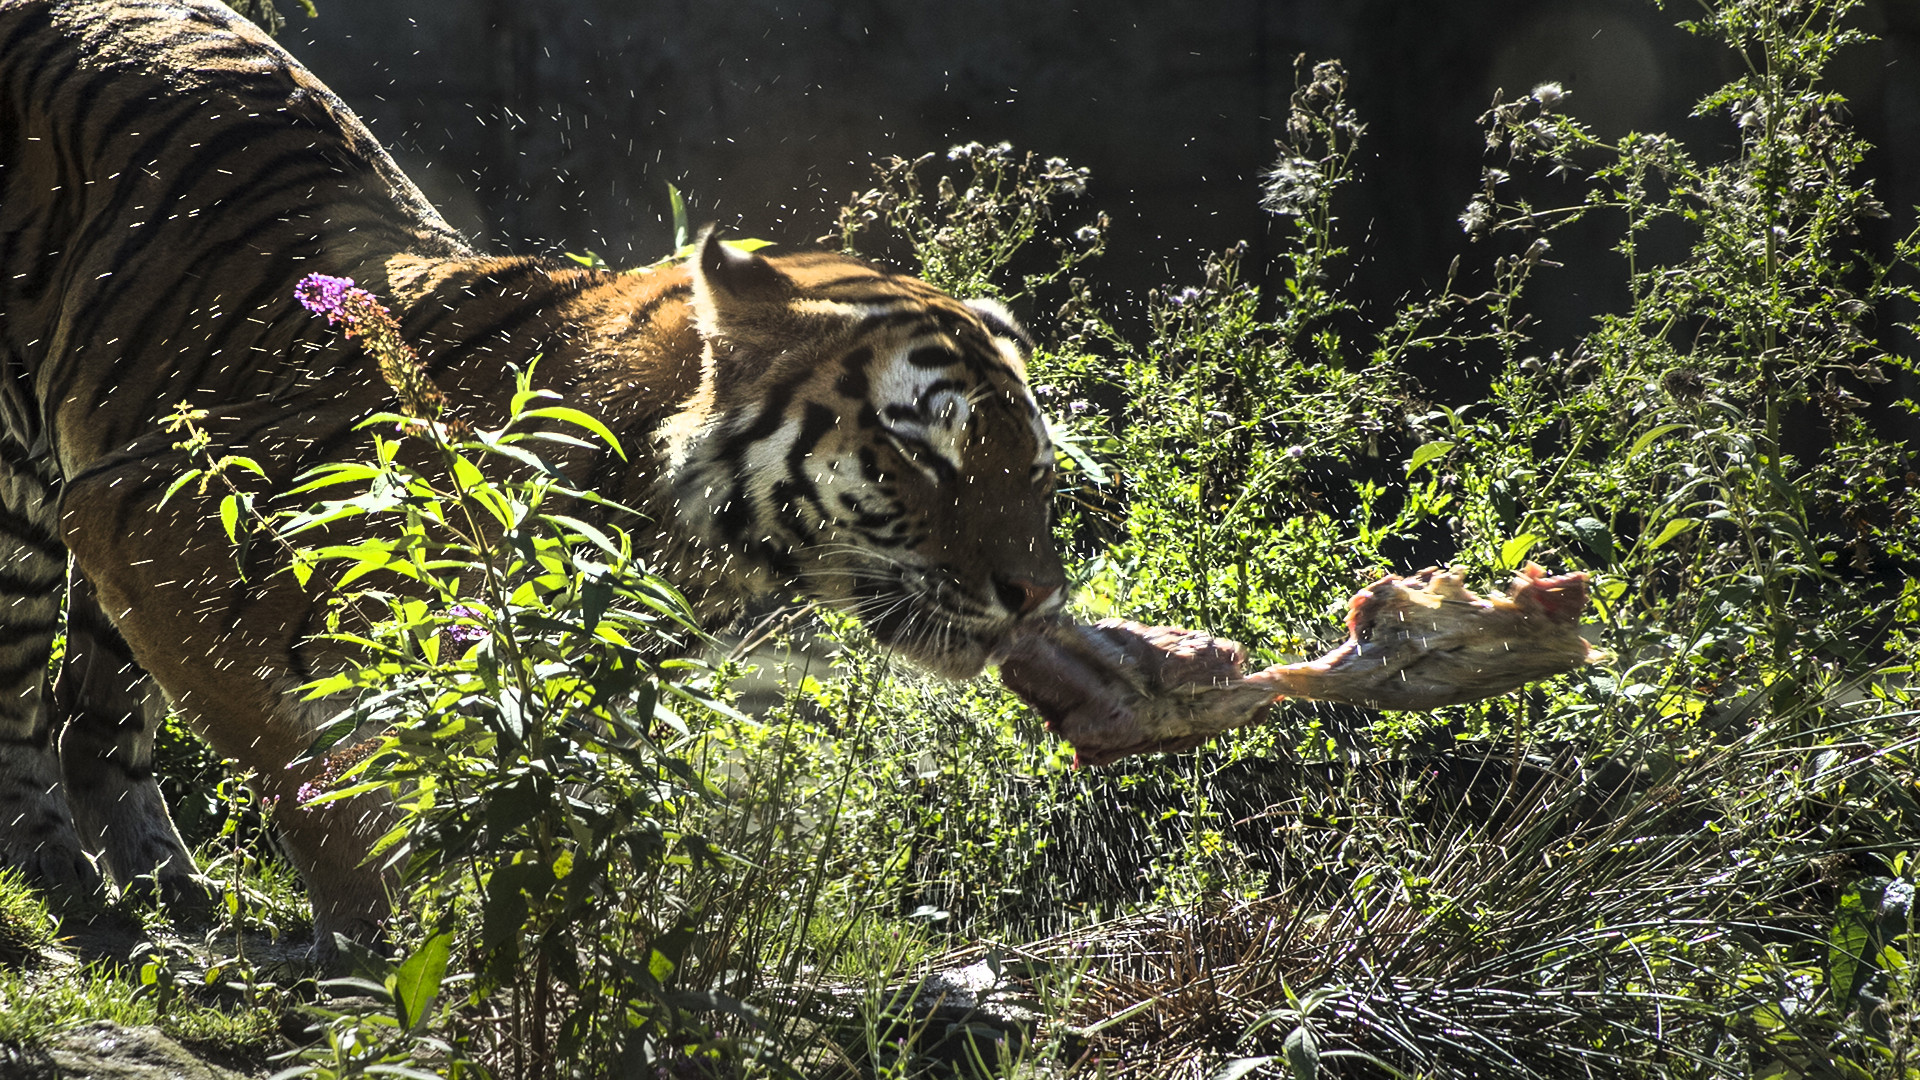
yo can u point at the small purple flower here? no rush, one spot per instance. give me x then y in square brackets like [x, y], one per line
[309, 791]
[460, 635]
[366, 318]
[1184, 297]
[324, 295]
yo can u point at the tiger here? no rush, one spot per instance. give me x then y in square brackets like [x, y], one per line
[795, 424]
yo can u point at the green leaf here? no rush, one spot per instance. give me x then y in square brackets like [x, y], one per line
[595, 596]
[1846, 941]
[557, 438]
[578, 418]
[1597, 538]
[1303, 1053]
[503, 911]
[511, 805]
[467, 474]
[1674, 528]
[682, 236]
[243, 463]
[326, 514]
[1239, 1067]
[357, 983]
[416, 983]
[1651, 437]
[524, 457]
[1068, 442]
[526, 394]
[585, 532]
[1427, 452]
[1514, 551]
[660, 966]
[378, 560]
[230, 517]
[331, 684]
[186, 478]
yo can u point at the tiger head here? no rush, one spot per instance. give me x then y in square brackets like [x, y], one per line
[871, 441]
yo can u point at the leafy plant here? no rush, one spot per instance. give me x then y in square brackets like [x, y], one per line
[1723, 457]
[519, 657]
[970, 231]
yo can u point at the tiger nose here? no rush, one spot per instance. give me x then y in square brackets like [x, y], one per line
[1021, 595]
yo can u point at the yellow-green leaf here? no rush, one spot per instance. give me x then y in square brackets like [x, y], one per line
[466, 473]
[332, 684]
[186, 478]
[1674, 528]
[580, 419]
[1514, 551]
[1651, 437]
[416, 982]
[1428, 452]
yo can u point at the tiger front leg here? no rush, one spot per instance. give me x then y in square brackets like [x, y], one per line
[37, 834]
[111, 711]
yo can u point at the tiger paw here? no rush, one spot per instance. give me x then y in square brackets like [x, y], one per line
[38, 840]
[37, 833]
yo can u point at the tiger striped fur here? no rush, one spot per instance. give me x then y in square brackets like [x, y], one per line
[167, 173]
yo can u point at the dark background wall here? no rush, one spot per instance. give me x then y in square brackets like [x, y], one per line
[548, 124]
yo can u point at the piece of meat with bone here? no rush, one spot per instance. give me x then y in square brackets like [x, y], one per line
[1420, 642]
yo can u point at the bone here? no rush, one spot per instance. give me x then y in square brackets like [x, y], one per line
[1420, 642]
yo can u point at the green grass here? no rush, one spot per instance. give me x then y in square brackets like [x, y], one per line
[37, 1005]
[178, 985]
[27, 926]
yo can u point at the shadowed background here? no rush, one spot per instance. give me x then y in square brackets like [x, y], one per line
[556, 124]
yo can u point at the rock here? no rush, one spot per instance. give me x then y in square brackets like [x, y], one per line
[104, 1050]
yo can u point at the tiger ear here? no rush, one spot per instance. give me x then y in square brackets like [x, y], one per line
[1001, 323]
[728, 281]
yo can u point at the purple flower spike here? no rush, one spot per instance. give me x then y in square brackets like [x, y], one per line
[364, 317]
[324, 295]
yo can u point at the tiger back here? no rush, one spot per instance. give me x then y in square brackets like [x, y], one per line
[803, 422]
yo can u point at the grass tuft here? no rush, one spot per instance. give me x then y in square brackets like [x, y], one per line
[27, 927]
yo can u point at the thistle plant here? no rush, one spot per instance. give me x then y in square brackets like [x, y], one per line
[971, 229]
